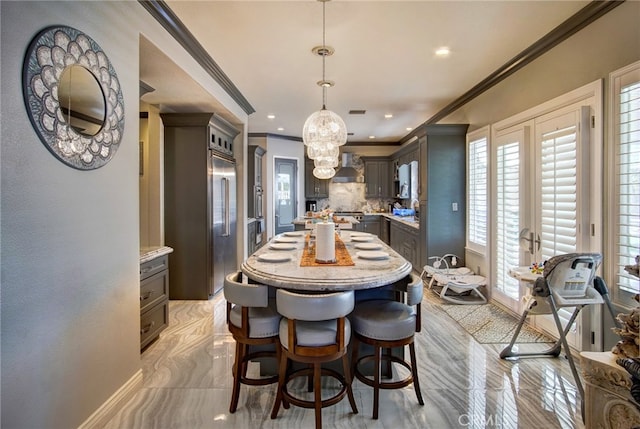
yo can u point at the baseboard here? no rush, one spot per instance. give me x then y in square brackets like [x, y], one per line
[107, 410]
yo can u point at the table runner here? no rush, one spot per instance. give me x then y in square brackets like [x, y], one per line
[343, 259]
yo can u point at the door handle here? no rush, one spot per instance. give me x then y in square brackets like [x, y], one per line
[531, 238]
[225, 190]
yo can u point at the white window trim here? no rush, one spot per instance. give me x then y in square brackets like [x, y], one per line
[621, 298]
[484, 132]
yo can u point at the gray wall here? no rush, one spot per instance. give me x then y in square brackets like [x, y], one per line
[609, 43]
[70, 238]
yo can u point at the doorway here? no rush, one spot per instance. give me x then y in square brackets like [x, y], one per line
[285, 191]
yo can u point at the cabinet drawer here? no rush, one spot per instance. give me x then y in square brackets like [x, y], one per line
[153, 290]
[149, 268]
[153, 322]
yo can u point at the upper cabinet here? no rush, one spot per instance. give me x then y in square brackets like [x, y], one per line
[314, 187]
[377, 177]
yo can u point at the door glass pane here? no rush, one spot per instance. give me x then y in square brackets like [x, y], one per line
[285, 194]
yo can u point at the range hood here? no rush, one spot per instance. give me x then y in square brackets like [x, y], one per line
[346, 173]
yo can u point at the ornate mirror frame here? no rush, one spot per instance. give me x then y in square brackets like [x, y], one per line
[49, 54]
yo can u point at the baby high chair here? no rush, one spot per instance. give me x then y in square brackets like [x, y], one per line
[460, 281]
[568, 281]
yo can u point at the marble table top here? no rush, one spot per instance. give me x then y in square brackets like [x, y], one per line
[365, 274]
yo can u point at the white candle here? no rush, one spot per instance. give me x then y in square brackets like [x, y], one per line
[325, 242]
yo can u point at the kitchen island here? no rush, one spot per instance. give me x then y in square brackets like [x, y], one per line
[286, 271]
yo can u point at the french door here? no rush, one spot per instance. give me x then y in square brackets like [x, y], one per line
[542, 206]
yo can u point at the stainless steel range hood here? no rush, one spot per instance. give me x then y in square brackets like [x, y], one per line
[346, 173]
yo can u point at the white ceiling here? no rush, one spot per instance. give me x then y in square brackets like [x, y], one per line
[384, 59]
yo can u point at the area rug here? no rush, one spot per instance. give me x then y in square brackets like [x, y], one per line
[488, 323]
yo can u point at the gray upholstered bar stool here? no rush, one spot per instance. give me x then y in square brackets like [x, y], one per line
[385, 324]
[313, 331]
[253, 321]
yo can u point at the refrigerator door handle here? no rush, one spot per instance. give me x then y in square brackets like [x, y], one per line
[225, 208]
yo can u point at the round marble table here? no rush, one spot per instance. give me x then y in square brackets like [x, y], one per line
[365, 274]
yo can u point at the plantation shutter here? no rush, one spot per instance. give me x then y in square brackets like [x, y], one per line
[507, 217]
[477, 192]
[558, 192]
[628, 184]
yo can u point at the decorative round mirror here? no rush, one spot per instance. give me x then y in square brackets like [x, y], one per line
[73, 97]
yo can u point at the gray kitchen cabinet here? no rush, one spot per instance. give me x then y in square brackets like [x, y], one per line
[254, 180]
[154, 299]
[406, 241]
[377, 177]
[370, 224]
[314, 187]
[441, 191]
[251, 238]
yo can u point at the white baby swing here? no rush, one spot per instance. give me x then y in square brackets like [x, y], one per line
[462, 282]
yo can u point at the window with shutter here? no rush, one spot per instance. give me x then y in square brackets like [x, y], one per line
[477, 190]
[626, 216]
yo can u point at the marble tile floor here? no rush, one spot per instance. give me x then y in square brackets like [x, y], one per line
[187, 384]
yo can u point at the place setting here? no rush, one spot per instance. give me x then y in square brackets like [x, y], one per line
[368, 246]
[374, 255]
[274, 257]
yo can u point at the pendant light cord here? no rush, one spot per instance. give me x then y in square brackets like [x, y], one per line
[324, 54]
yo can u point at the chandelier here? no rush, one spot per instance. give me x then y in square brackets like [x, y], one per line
[324, 131]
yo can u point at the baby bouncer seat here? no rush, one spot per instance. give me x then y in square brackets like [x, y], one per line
[459, 284]
[567, 281]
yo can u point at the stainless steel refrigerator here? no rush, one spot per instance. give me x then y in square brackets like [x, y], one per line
[200, 203]
[223, 221]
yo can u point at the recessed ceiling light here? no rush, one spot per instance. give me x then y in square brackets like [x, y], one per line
[271, 116]
[388, 116]
[443, 51]
[409, 128]
[372, 137]
[280, 129]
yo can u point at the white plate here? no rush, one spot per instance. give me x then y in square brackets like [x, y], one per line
[368, 246]
[274, 257]
[372, 254]
[361, 239]
[294, 233]
[359, 234]
[282, 246]
[286, 240]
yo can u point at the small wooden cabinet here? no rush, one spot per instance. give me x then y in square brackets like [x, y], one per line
[154, 298]
[314, 187]
[377, 177]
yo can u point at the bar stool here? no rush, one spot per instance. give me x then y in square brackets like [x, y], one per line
[385, 324]
[313, 331]
[252, 321]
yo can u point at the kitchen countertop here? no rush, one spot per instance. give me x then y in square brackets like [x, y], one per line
[153, 252]
[406, 220]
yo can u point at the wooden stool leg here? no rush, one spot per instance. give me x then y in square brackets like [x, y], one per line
[376, 380]
[348, 379]
[317, 386]
[282, 373]
[414, 372]
[237, 375]
[355, 344]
